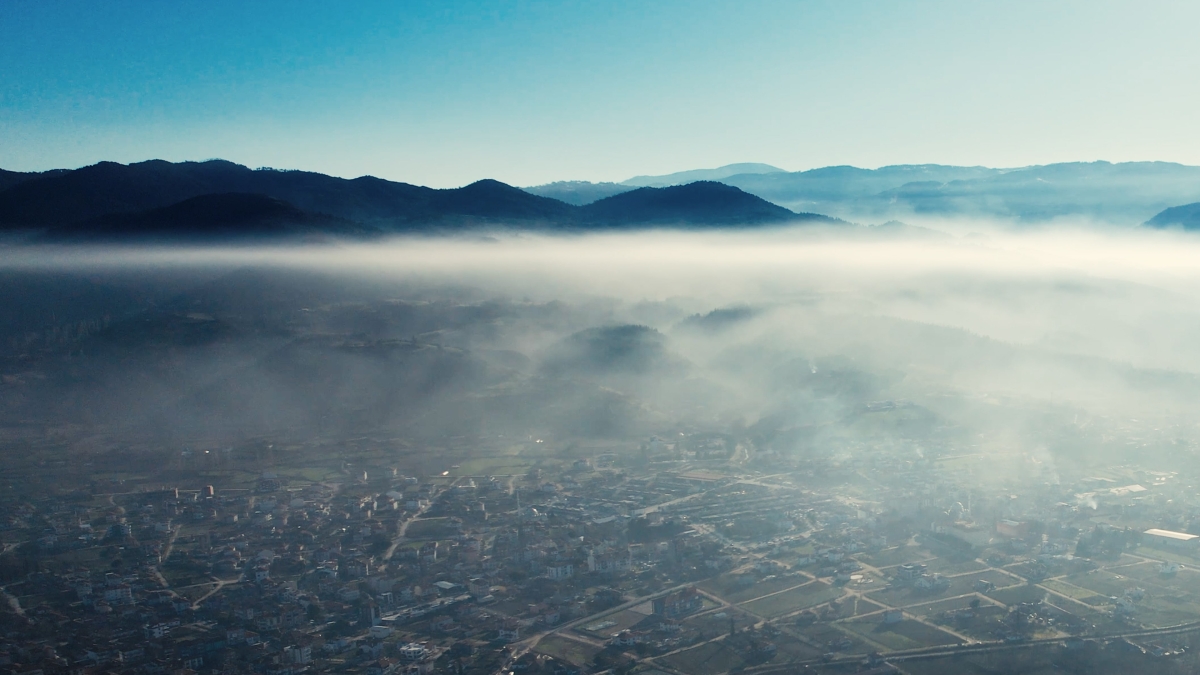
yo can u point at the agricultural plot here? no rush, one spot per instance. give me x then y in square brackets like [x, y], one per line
[791, 649]
[900, 555]
[431, 528]
[711, 624]
[790, 555]
[811, 594]
[906, 634]
[1017, 594]
[857, 606]
[566, 649]
[1166, 555]
[900, 596]
[950, 566]
[985, 624]
[501, 465]
[1151, 571]
[1160, 611]
[1026, 662]
[1074, 592]
[765, 587]
[709, 658]
[1107, 584]
[827, 637]
[937, 607]
[1104, 582]
[608, 626]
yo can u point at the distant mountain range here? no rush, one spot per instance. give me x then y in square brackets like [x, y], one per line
[219, 200]
[719, 173]
[580, 192]
[1126, 193]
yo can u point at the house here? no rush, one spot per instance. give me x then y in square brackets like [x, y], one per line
[679, 603]
[609, 562]
[429, 552]
[300, 654]
[119, 595]
[413, 651]
[932, 582]
[510, 631]
[626, 638]
[564, 571]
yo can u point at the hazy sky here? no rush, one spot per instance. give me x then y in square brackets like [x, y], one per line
[444, 93]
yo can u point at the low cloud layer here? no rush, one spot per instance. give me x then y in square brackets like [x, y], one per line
[794, 337]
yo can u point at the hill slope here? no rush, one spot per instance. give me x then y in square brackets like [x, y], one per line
[216, 200]
[72, 197]
[1186, 217]
[216, 217]
[702, 203]
[1127, 192]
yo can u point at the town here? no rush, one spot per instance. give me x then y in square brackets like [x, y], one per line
[688, 552]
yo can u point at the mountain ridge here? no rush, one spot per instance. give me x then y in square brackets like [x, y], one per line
[1185, 217]
[1122, 192]
[694, 175]
[160, 200]
[223, 217]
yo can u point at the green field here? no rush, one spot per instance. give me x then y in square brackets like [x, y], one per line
[501, 465]
[900, 555]
[900, 596]
[949, 566]
[621, 620]
[1075, 592]
[709, 658]
[935, 608]
[1167, 556]
[794, 600]
[569, 650]
[1018, 594]
[711, 624]
[906, 634]
[725, 587]
[430, 528]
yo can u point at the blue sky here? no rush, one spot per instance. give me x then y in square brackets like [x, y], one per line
[443, 93]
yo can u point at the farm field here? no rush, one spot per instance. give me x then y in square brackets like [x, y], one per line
[727, 587]
[900, 555]
[902, 596]
[906, 634]
[611, 624]
[566, 649]
[812, 594]
[709, 658]
[952, 566]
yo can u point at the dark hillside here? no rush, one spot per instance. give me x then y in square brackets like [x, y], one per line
[220, 217]
[702, 203]
[1186, 217]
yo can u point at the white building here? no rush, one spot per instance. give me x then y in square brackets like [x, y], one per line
[1169, 539]
[560, 571]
